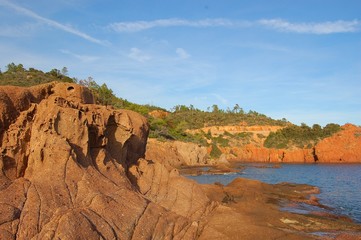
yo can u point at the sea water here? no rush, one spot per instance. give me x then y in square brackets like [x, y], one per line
[340, 184]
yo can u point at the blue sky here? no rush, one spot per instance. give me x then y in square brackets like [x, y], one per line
[284, 58]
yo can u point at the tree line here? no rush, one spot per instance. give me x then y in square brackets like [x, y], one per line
[181, 117]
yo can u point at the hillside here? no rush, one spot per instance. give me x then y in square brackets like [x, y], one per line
[187, 123]
[17, 75]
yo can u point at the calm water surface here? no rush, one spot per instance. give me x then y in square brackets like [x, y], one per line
[340, 185]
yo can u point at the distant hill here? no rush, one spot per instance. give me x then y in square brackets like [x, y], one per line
[173, 125]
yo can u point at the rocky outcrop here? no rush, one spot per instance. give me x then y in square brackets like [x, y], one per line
[177, 154]
[247, 212]
[170, 190]
[64, 170]
[159, 114]
[342, 147]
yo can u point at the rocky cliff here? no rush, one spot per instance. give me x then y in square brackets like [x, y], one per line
[342, 147]
[65, 171]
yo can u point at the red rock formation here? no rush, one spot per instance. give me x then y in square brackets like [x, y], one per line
[64, 164]
[342, 147]
[251, 153]
[176, 153]
[170, 190]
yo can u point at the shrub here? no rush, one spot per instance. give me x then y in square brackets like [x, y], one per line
[300, 136]
[215, 152]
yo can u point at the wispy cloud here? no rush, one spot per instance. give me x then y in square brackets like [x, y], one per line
[171, 22]
[328, 27]
[182, 53]
[52, 23]
[83, 58]
[312, 28]
[17, 31]
[138, 55]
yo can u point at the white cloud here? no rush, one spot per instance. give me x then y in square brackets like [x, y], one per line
[83, 58]
[171, 22]
[312, 28]
[182, 53]
[50, 22]
[138, 55]
[329, 27]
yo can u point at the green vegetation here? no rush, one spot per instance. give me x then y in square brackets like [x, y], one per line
[196, 118]
[300, 136]
[174, 126]
[17, 75]
[215, 152]
[105, 96]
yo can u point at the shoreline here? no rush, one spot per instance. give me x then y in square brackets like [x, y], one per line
[232, 166]
[261, 205]
[318, 201]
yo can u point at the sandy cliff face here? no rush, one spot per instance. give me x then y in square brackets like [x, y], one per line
[218, 130]
[64, 170]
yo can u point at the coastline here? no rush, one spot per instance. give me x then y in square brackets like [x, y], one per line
[240, 171]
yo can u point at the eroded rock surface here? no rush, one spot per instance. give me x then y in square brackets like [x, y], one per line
[64, 164]
[177, 154]
[168, 189]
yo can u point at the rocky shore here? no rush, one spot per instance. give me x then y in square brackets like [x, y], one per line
[71, 169]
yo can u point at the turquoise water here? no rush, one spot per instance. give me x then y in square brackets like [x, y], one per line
[340, 184]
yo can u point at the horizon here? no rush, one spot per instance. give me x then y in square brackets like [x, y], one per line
[299, 61]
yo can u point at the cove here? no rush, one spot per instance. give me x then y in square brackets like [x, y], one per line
[340, 184]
